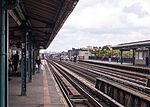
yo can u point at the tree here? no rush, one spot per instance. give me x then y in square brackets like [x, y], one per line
[116, 52]
[106, 48]
[106, 51]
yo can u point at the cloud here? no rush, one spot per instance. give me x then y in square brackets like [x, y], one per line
[95, 15]
[104, 22]
[136, 9]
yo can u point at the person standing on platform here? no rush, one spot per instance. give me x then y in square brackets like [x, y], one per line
[147, 61]
[38, 62]
[117, 58]
[15, 61]
[109, 58]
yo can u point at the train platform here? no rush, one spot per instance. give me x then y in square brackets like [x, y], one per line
[41, 92]
[118, 63]
[126, 66]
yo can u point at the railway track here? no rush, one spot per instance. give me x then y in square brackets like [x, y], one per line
[72, 96]
[129, 73]
[123, 86]
[135, 69]
[128, 79]
[89, 96]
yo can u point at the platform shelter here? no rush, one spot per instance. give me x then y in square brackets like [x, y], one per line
[28, 26]
[140, 49]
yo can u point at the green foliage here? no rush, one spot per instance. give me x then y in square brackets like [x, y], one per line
[128, 53]
[116, 53]
[106, 48]
[107, 51]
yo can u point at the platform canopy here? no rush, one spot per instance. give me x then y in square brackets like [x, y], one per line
[41, 18]
[133, 45]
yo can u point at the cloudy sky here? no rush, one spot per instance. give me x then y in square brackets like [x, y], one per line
[104, 22]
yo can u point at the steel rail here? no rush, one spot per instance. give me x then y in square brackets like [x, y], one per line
[116, 70]
[117, 74]
[62, 88]
[112, 102]
[60, 84]
[97, 104]
[132, 85]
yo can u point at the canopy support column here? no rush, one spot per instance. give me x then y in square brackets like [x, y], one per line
[29, 63]
[7, 54]
[3, 55]
[32, 63]
[24, 60]
[133, 57]
[149, 56]
[121, 60]
[33, 59]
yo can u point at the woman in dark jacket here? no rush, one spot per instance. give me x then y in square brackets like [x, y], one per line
[38, 62]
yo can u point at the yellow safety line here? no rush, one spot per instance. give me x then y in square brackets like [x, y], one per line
[46, 90]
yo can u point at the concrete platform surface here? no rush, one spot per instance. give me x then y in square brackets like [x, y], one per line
[41, 92]
[123, 64]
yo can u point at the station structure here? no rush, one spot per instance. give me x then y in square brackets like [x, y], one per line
[140, 49]
[28, 26]
[81, 54]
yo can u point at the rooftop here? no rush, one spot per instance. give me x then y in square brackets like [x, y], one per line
[133, 45]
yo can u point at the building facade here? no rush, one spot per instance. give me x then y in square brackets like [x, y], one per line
[141, 56]
[80, 54]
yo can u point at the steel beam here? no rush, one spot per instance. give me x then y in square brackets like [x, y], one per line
[50, 24]
[46, 4]
[20, 12]
[40, 17]
[13, 15]
[41, 31]
[33, 27]
[34, 6]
